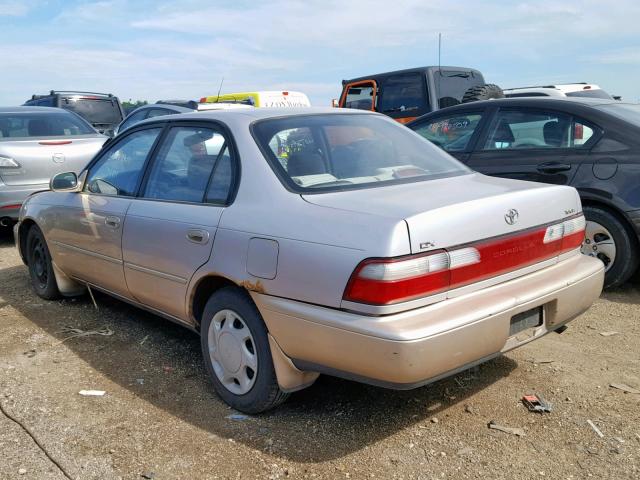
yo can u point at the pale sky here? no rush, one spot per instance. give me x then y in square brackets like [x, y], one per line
[154, 49]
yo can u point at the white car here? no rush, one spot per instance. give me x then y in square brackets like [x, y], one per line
[590, 90]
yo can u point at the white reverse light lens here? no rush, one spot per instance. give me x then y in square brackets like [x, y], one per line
[574, 225]
[8, 162]
[405, 269]
[553, 233]
[463, 257]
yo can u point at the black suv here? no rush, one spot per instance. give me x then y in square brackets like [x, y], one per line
[590, 144]
[102, 110]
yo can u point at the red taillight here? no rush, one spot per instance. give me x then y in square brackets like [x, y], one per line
[54, 142]
[386, 281]
[578, 131]
[203, 100]
[285, 93]
[11, 207]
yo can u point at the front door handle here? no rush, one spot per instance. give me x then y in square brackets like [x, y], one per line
[553, 167]
[113, 222]
[198, 236]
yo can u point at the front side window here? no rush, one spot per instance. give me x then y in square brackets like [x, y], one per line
[131, 120]
[118, 171]
[315, 153]
[38, 125]
[528, 129]
[451, 133]
[193, 165]
[360, 96]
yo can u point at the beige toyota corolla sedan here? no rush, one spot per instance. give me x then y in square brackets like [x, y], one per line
[312, 241]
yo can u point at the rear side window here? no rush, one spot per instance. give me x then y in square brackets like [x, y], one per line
[527, 129]
[38, 125]
[132, 119]
[404, 93]
[451, 133]
[118, 171]
[193, 165]
[95, 110]
[451, 85]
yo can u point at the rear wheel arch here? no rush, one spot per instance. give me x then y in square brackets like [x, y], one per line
[23, 232]
[616, 213]
[202, 291]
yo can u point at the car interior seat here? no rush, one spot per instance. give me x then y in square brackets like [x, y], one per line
[555, 133]
[305, 162]
[503, 133]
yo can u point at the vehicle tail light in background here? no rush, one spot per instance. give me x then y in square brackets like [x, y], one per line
[8, 162]
[578, 131]
[15, 206]
[56, 142]
[285, 93]
[203, 100]
[387, 281]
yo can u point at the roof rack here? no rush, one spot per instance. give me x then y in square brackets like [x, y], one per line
[547, 86]
[56, 92]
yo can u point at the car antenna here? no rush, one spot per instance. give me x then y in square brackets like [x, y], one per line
[219, 89]
[439, 64]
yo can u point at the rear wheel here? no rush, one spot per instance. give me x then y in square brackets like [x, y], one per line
[609, 240]
[236, 352]
[43, 279]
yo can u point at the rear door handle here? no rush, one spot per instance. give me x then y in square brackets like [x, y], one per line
[198, 236]
[113, 222]
[553, 167]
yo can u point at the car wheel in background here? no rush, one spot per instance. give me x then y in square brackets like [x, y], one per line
[236, 352]
[609, 240]
[43, 279]
[482, 92]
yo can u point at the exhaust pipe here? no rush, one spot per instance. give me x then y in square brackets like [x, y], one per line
[5, 222]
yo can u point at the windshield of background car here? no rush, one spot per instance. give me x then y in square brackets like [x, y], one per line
[95, 110]
[316, 153]
[593, 93]
[38, 125]
[626, 111]
[451, 85]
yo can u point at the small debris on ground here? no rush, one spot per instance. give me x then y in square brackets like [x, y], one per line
[465, 451]
[30, 353]
[595, 429]
[148, 475]
[237, 416]
[78, 332]
[609, 334]
[92, 393]
[22, 471]
[624, 387]
[434, 420]
[535, 403]
[511, 430]
[144, 340]
[468, 409]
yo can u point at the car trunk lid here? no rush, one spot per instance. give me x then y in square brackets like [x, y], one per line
[41, 158]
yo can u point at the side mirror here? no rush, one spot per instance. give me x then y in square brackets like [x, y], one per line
[335, 103]
[64, 182]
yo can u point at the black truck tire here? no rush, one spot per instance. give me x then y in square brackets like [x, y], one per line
[482, 92]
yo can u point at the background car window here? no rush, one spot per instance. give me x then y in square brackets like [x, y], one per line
[451, 85]
[118, 171]
[134, 118]
[453, 133]
[523, 129]
[157, 112]
[403, 93]
[37, 125]
[184, 165]
[581, 133]
[360, 97]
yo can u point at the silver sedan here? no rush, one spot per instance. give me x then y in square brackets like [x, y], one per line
[35, 144]
[313, 241]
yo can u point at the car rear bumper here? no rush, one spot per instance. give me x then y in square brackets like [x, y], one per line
[415, 347]
[12, 197]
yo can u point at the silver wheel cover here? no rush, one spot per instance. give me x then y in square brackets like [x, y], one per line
[598, 242]
[232, 352]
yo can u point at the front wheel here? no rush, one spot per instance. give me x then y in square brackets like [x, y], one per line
[43, 279]
[236, 352]
[609, 240]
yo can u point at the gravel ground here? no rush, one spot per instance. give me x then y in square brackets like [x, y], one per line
[161, 419]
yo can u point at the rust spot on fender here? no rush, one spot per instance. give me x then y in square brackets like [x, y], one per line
[253, 286]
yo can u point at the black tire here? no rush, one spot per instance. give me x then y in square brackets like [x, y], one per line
[265, 393]
[43, 279]
[482, 92]
[625, 262]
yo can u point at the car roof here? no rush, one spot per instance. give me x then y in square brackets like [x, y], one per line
[410, 70]
[31, 109]
[530, 101]
[164, 106]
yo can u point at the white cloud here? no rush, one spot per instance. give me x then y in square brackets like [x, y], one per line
[14, 9]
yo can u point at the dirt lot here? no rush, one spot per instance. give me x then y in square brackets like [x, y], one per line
[160, 418]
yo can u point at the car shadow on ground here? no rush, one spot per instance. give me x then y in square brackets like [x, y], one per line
[160, 363]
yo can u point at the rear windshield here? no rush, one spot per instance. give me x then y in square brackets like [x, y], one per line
[316, 153]
[95, 110]
[626, 111]
[403, 94]
[594, 93]
[37, 125]
[451, 85]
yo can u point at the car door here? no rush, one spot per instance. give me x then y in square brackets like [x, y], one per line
[455, 132]
[87, 235]
[533, 144]
[169, 230]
